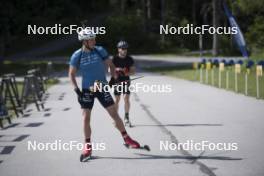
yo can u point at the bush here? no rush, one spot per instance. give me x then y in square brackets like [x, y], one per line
[255, 35]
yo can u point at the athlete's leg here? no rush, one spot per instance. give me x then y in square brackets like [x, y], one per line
[107, 101]
[87, 105]
[115, 116]
[87, 150]
[120, 126]
[127, 103]
[117, 100]
[86, 123]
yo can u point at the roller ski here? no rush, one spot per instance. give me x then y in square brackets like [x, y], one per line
[131, 144]
[127, 121]
[87, 153]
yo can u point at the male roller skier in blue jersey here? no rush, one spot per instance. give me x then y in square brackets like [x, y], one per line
[91, 61]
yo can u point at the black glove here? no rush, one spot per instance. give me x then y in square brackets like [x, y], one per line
[78, 91]
[79, 94]
[112, 81]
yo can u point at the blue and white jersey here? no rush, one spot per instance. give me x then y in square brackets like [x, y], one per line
[91, 65]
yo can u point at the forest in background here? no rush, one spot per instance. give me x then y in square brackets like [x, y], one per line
[136, 21]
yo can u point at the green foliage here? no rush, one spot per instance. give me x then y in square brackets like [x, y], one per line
[131, 24]
[185, 72]
[250, 15]
[21, 68]
[52, 81]
[255, 36]
[249, 6]
[130, 28]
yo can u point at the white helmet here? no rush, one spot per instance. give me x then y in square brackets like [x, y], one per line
[86, 34]
[122, 44]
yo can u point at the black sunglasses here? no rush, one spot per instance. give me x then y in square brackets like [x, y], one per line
[123, 48]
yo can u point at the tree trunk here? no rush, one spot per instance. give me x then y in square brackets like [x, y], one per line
[148, 6]
[123, 6]
[216, 8]
[194, 11]
[144, 15]
[162, 14]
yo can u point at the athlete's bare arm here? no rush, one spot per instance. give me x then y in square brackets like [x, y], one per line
[72, 76]
[132, 70]
[110, 65]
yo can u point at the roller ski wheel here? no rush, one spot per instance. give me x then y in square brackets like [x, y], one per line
[85, 158]
[127, 123]
[145, 147]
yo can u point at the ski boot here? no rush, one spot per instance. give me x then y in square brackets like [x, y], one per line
[87, 152]
[132, 144]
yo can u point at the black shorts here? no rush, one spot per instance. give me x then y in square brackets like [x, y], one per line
[104, 98]
[122, 90]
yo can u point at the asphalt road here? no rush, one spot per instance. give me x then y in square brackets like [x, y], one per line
[190, 112]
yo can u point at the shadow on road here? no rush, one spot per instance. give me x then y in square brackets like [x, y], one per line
[151, 157]
[176, 125]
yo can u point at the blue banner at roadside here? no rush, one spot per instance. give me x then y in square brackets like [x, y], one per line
[239, 38]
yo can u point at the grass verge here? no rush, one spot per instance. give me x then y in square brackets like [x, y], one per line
[20, 68]
[225, 81]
